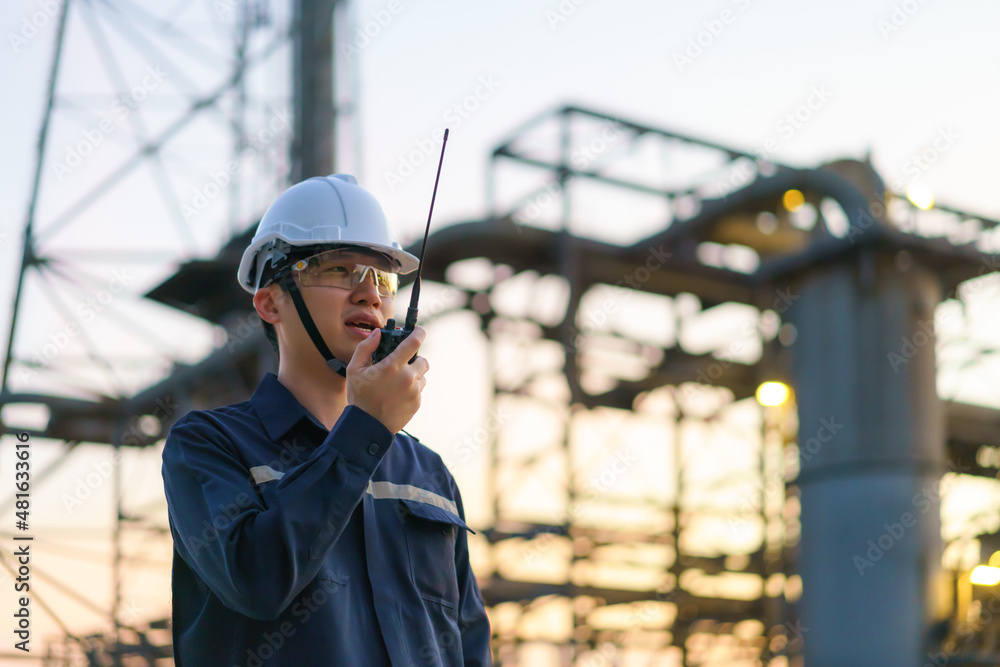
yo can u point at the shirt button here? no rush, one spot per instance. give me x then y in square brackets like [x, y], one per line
[373, 449]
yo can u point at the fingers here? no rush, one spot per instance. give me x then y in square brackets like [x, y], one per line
[390, 390]
[416, 379]
[409, 346]
[363, 352]
[420, 365]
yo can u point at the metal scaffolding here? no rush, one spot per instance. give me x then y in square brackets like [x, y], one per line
[717, 543]
[131, 89]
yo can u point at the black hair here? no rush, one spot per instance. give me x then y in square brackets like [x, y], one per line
[267, 276]
[272, 337]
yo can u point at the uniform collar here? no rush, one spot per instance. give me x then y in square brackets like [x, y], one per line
[278, 408]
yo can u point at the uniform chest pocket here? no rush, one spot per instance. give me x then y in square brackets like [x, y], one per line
[335, 574]
[430, 543]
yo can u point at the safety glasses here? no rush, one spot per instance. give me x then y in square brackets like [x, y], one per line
[346, 269]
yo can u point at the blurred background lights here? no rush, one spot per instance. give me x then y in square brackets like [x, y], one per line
[770, 394]
[150, 425]
[793, 200]
[984, 575]
[920, 195]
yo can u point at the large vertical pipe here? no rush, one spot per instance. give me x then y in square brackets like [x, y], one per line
[871, 438]
[313, 147]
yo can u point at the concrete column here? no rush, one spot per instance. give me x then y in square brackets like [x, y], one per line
[871, 439]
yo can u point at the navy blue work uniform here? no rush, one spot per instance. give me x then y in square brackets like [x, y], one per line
[295, 546]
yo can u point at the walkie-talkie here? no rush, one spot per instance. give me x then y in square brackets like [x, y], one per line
[391, 337]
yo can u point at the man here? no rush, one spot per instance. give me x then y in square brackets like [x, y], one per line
[307, 529]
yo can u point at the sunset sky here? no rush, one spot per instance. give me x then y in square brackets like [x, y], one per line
[805, 82]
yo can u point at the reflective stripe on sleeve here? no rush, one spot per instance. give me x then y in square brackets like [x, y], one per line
[263, 474]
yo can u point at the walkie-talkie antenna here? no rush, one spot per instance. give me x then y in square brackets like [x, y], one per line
[411, 312]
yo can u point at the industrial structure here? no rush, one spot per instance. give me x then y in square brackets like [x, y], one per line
[644, 504]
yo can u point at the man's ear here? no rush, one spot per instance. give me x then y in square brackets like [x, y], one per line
[265, 302]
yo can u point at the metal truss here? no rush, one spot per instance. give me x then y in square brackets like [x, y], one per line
[588, 556]
[726, 222]
[116, 203]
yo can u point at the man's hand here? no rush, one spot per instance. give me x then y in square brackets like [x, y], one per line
[390, 390]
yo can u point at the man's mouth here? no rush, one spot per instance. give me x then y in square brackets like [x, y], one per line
[362, 327]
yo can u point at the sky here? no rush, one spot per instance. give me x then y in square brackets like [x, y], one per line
[808, 82]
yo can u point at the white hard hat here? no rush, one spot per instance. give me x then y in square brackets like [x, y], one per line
[320, 211]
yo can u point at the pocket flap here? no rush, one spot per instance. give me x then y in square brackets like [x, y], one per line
[338, 575]
[434, 513]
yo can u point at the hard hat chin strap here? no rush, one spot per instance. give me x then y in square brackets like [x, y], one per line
[288, 283]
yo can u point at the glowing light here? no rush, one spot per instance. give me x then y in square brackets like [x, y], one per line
[793, 200]
[920, 195]
[771, 394]
[984, 575]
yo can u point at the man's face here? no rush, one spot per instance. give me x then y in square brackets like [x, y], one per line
[344, 316]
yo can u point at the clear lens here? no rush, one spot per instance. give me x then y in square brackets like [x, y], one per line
[346, 269]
